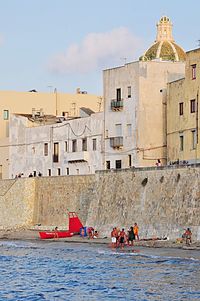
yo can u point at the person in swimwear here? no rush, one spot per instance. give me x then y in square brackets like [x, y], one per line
[122, 237]
[56, 232]
[136, 231]
[188, 236]
[113, 238]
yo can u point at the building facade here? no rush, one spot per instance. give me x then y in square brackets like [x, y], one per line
[58, 104]
[135, 103]
[50, 146]
[183, 114]
[131, 130]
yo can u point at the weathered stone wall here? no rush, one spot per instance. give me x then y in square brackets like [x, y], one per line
[55, 196]
[16, 203]
[162, 201]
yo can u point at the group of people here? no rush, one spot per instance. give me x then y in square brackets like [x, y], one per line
[119, 237]
[34, 174]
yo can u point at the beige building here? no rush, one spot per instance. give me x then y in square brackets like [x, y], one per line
[183, 113]
[135, 103]
[59, 104]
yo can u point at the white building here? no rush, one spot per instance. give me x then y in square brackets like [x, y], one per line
[54, 146]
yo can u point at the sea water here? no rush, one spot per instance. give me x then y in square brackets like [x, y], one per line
[44, 270]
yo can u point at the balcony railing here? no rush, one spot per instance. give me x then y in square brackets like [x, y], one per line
[117, 105]
[116, 142]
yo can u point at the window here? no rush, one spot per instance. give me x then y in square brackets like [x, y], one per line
[129, 130]
[67, 171]
[181, 108]
[49, 172]
[74, 146]
[129, 160]
[129, 92]
[46, 149]
[118, 164]
[118, 94]
[5, 114]
[181, 142]
[192, 106]
[118, 128]
[107, 164]
[194, 71]
[84, 144]
[59, 171]
[66, 146]
[55, 152]
[94, 144]
[194, 139]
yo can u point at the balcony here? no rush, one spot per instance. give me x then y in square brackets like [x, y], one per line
[116, 142]
[117, 105]
[76, 157]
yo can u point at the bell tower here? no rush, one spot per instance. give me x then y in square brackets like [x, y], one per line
[164, 30]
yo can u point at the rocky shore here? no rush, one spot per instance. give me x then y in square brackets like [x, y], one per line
[33, 235]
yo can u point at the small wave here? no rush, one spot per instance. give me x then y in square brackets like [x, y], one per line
[157, 258]
[12, 244]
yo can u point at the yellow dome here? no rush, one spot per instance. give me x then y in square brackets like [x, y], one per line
[164, 47]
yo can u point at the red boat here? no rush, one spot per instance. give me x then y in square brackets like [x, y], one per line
[74, 228]
[53, 234]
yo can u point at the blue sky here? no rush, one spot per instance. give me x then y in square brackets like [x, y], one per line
[63, 44]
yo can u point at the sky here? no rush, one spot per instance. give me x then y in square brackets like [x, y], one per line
[65, 44]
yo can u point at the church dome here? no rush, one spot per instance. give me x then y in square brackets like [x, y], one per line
[164, 48]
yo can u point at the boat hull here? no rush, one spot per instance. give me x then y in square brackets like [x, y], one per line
[52, 234]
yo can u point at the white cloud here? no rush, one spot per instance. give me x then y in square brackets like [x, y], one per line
[97, 50]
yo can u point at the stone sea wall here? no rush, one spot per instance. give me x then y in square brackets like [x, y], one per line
[17, 202]
[163, 201]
